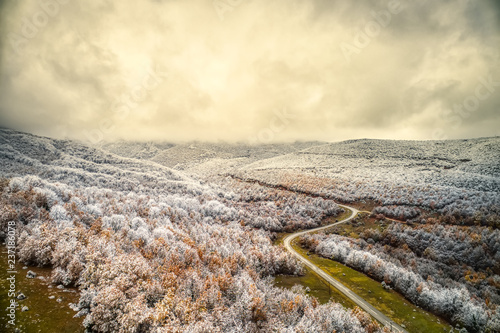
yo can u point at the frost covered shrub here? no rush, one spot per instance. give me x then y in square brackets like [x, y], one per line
[61, 276]
[36, 244]
[216, 209]
[118, 304]
[162, 232]
[115, 222]
[58, 213]
[140, 234]
[77, 202]
[137, 223]
[69, 259]
[24, 183]
[93, 210]
[48, 195]
[398, 212]
[154, 212]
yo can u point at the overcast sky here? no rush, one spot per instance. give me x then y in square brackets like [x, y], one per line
[250, 70]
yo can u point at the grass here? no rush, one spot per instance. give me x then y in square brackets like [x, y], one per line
[317, 288]
[44, 314]
[392, 304]
[353, 229]
[365, 205]
[340, 217]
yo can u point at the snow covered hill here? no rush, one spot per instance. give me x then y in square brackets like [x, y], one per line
[74, 163]
[203, 158]
[476, 156]
[459, 177]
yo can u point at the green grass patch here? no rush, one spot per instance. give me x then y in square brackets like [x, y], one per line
[354, 228]
[317, 288]
[364, 205]
[45, 314]
[338, 218]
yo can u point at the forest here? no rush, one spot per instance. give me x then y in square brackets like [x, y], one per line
[155, 251]
[154, 248]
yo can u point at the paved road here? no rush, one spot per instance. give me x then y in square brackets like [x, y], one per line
[335, 283]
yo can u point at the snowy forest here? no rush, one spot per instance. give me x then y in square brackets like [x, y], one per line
[164, 237]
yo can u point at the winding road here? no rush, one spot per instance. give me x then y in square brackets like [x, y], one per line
[335, 283]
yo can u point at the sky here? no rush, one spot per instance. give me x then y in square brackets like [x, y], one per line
[250, 70]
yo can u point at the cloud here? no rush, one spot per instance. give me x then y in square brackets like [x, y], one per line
[221, 70]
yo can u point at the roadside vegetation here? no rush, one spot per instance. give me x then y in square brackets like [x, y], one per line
[433, 266]
[389, 302]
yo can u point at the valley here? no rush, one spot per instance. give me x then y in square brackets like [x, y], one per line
[162, 236]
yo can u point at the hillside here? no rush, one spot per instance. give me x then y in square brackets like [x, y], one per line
[458, 177]
[200, 157]
[80, 165]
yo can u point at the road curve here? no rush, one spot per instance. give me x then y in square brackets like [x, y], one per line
[335, 283]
